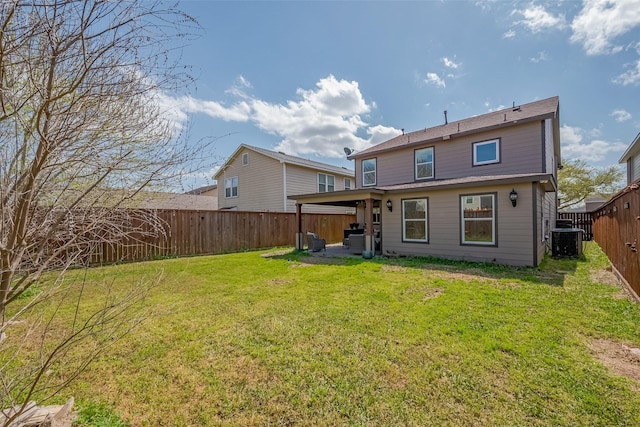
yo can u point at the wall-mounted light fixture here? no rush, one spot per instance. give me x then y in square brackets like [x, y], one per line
[513, 196]
[626, 205]
[389, 205]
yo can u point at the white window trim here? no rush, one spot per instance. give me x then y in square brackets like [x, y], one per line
[374, 172]
[426, 221]
[463, 220]
[326, 184]
[486, 162]
[230, 179]
[415, 158]
[345, 183]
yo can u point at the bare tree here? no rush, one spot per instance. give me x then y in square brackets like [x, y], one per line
[82, 131]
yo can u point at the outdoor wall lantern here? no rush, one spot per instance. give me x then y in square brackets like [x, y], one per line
[389, 205]
[513, 196]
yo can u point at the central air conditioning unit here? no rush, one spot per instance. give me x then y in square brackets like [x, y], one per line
[566, 242]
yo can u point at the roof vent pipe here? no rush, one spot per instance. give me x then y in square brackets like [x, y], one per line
[445, 117]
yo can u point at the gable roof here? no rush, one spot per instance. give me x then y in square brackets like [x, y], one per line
[198, 191]
[288, 159]
[546, 108]
[632, 150]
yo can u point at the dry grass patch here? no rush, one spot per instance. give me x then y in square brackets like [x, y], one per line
[619, 358]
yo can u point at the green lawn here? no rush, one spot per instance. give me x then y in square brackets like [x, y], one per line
[287, 339]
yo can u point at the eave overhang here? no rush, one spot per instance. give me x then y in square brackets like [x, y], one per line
[339, 198]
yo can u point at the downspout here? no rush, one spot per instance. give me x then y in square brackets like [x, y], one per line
[284, 186]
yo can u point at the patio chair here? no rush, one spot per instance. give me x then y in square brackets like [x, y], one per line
[315, 243]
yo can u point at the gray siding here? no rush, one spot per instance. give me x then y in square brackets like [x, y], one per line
[514, 231]
[520, 152]
[634, 168]
[550, 157]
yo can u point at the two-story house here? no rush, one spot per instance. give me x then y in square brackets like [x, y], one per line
[479, 189]
[257, 179]
[631, 158]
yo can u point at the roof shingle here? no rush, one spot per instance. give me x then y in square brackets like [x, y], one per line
[507, 117]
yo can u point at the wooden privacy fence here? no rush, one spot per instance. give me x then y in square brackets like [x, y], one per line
[210, 232]
[616, 228]
[583, 220]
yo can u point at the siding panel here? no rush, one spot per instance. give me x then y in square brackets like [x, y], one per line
[514, 231]
[520, 147]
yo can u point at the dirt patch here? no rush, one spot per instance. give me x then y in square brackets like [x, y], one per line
[619, 358]
[605, 276]
[393, 268]
[426, 292]
[276, 253]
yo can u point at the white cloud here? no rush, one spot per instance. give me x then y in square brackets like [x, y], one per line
[620, 115]
[239, 87]
[433, 78]
[542, 56]
[595, 150]
[600, 22]
[509, 34]
[536, 19]
[450, 63]
[321, 121]
[632, 76]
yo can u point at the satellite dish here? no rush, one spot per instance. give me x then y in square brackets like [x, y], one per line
[348, 151]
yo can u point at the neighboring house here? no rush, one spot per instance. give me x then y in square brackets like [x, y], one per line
[207, 190]
[481, 189]
[256, 179]
[171, 201]
[631, 158]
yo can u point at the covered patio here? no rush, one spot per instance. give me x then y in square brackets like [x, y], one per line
[362, 200]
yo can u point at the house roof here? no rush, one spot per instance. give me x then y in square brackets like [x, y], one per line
[545, 108]
[171, 201]
[474, 181]
[632, 150]
[349, 197]
[288, 159]
[201, 190]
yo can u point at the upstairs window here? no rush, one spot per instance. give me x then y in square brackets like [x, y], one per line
[486, 152]
[245, 159]
[347, 183]
[326, 183]
[231, 187]
[424, 163]
[369, 172]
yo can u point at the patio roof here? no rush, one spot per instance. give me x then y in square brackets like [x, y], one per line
[352, 197]
[339, 198]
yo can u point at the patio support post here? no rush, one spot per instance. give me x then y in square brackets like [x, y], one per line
[299, 234]
[368, 219]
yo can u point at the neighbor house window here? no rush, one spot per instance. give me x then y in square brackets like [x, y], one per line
[326, 183]
[486, 152]
[245, 159]
[415, 227]
[369, 172]
[478, 219]
[347, 183]
[231, 187]
[424, 163]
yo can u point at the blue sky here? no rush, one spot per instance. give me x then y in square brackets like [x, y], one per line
[309, 78]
